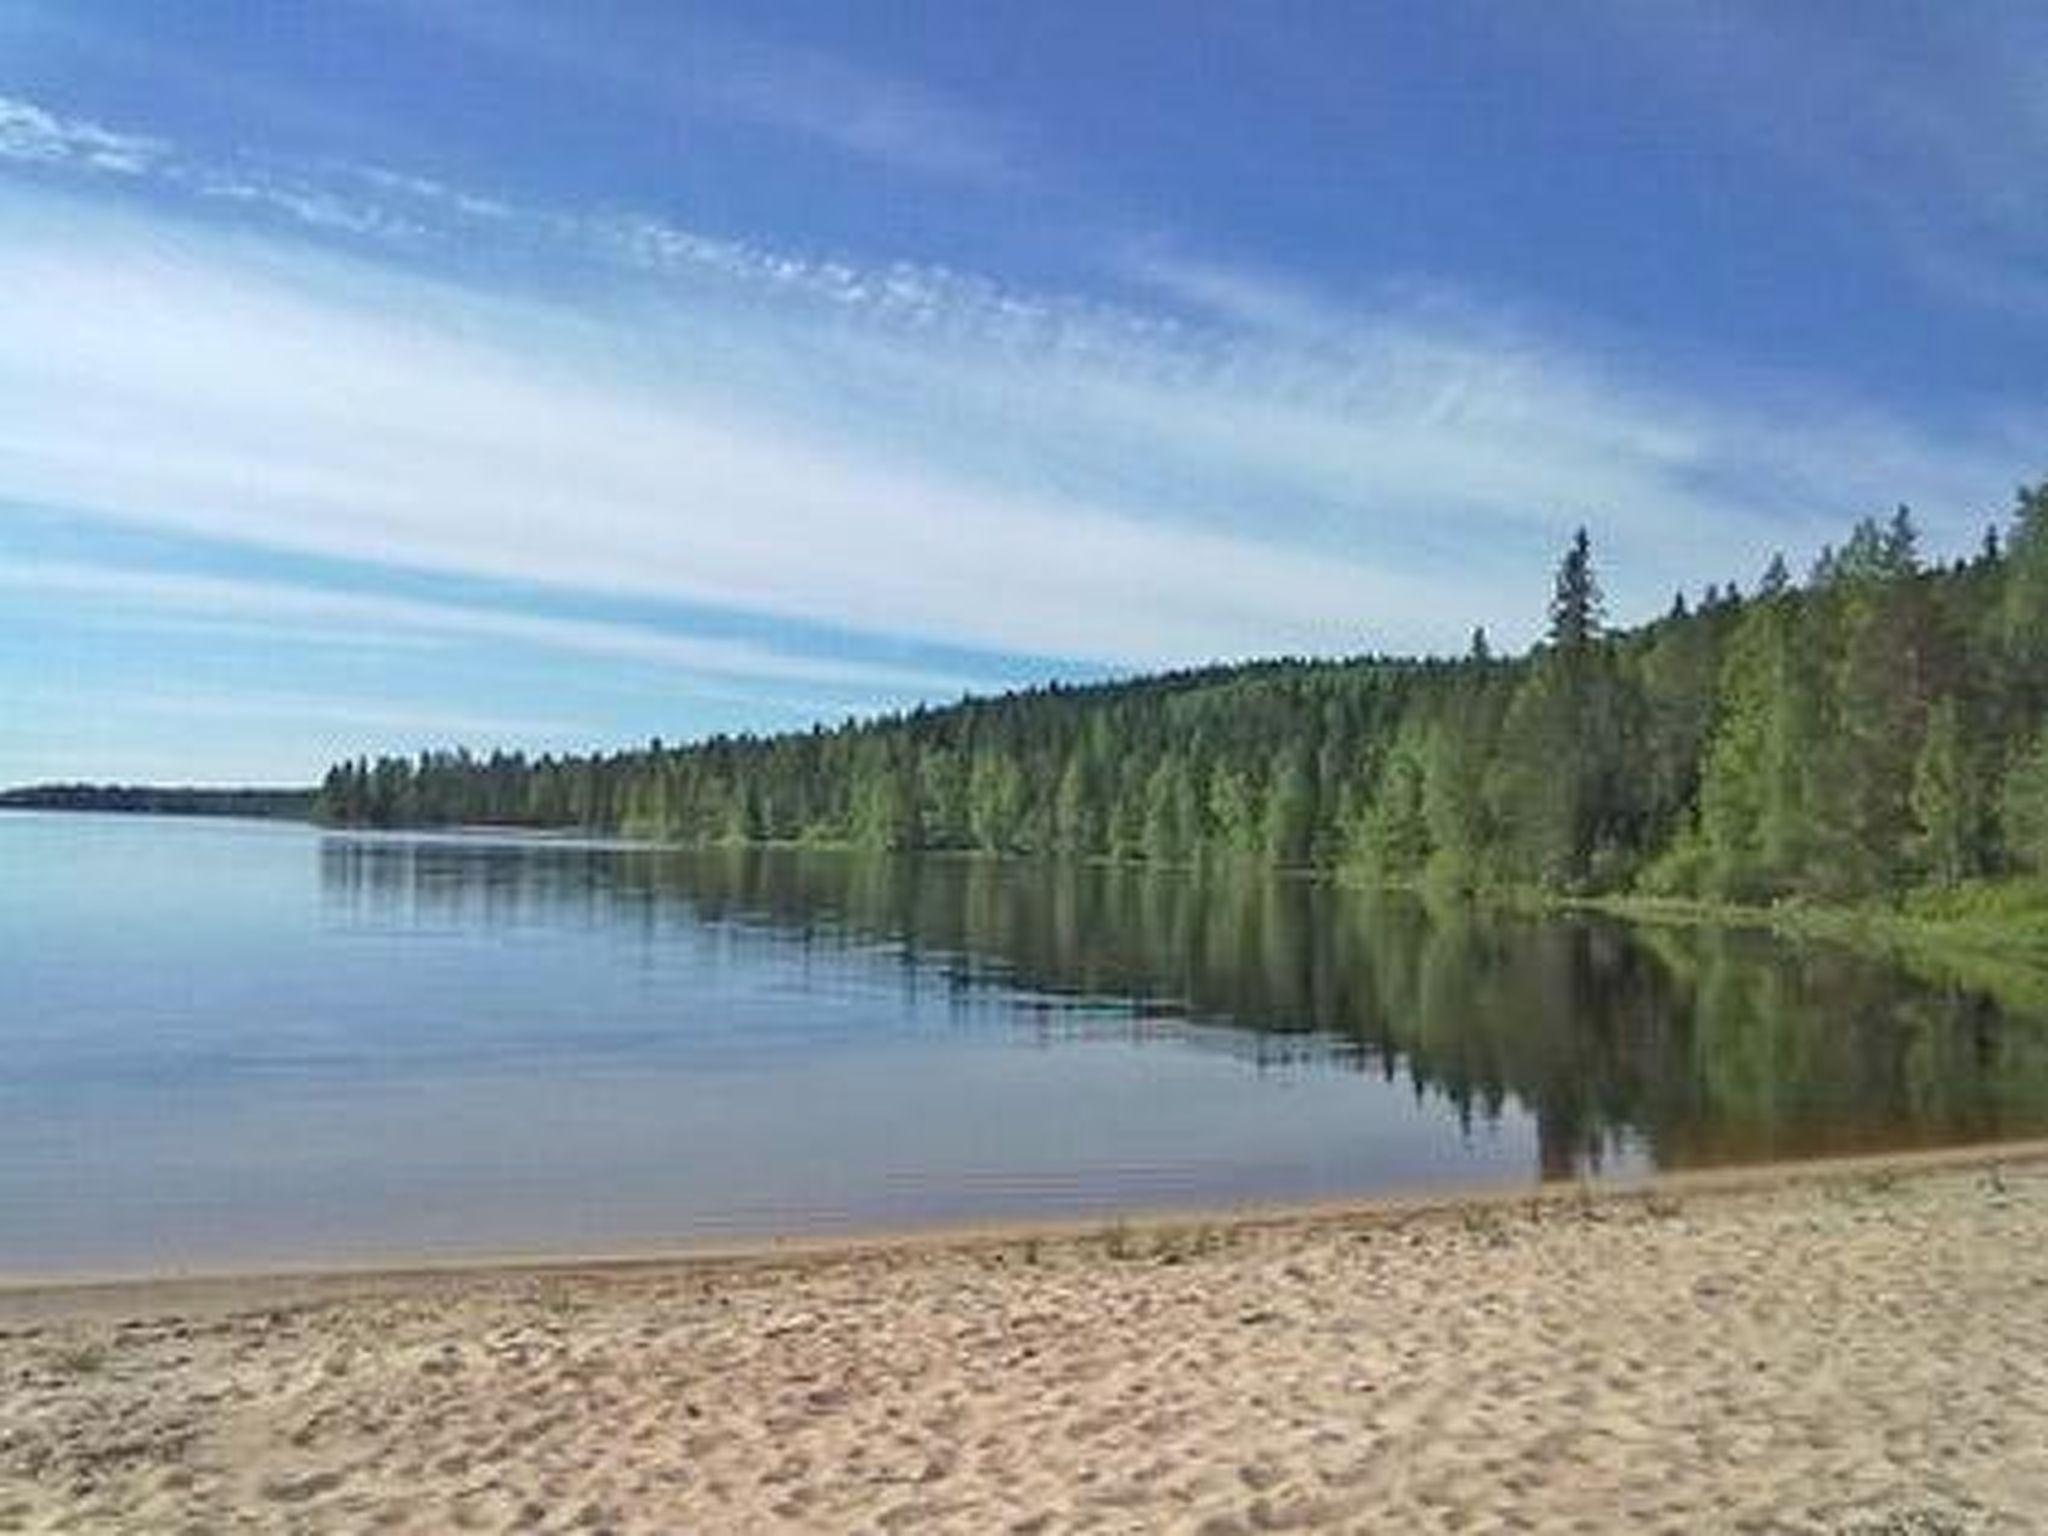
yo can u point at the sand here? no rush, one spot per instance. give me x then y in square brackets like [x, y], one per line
[1860, 1350]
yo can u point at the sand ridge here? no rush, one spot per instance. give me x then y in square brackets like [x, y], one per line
[1862, 1351]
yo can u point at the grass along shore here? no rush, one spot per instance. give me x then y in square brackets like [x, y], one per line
[1991, 935]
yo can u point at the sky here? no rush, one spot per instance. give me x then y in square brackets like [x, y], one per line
[376, 376]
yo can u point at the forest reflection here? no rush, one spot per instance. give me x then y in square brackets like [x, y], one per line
[1691, 1046]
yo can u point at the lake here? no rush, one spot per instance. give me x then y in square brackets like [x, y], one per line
[233, 1043]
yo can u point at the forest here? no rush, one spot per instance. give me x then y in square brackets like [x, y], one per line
[1877, 726]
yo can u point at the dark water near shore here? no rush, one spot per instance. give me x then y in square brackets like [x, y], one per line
[229, 1043]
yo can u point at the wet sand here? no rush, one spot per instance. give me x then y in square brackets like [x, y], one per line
[1852, 1348]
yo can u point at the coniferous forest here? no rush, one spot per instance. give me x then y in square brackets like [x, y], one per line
[1879, 725]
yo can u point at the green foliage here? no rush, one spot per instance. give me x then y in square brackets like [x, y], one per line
[1877, 727]
[2025, 809]
[1079, 810]
[2024, 608]
[1172, 817]
[1290, 815]
[1392, 841]
[1947, 805]
[995, 802]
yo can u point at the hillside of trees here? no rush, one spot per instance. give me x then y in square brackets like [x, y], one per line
[1879, 725]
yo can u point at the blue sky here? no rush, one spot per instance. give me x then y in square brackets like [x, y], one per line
[379, 375]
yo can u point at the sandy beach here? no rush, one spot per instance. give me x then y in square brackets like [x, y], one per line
[1851, 1348]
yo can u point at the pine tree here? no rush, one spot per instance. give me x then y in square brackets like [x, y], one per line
[1234, 812]
[1944, 800]
[1290, 809]
[1880, 689]
[1576, 608]
[1560, 800]
[1078, 812]
[2024, 808]
[1902, 543]
[886, 800]
[1393, 842]
[1756, 783]
[1677, 678]
[1456, 757]
[942, 798]
[1777, 580]
[2024, 607]
[1171, 831]
[995, 802]
[1535, 791]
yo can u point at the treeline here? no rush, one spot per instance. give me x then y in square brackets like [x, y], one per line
[1876, 725]
[155, 800]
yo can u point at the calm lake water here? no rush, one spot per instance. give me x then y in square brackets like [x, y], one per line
[233, 1043]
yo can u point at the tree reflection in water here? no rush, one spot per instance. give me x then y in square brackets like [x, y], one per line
[1695, 1046]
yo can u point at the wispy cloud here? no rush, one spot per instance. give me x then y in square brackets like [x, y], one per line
[330, 615]
[408, 212]
[183, 387]
[30, 134]
[1241, 466]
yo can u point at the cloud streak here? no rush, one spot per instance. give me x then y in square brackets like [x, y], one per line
[903, 452]
[191, 390]
[32, 135]
[327, 615]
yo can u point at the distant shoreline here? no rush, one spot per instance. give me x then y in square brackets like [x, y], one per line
[257, 802]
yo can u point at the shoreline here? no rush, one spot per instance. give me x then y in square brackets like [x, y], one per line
[1842, 1348]
[87, 1292]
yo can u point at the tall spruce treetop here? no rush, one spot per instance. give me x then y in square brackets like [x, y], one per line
[1576, 612]
[1902, 542]
[1776, 578]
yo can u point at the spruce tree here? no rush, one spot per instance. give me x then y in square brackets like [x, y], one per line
[1290, 808]
[1944, 800]
[1777, 580]
[1394, 840]
[2024, 808]
[1576, 609]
